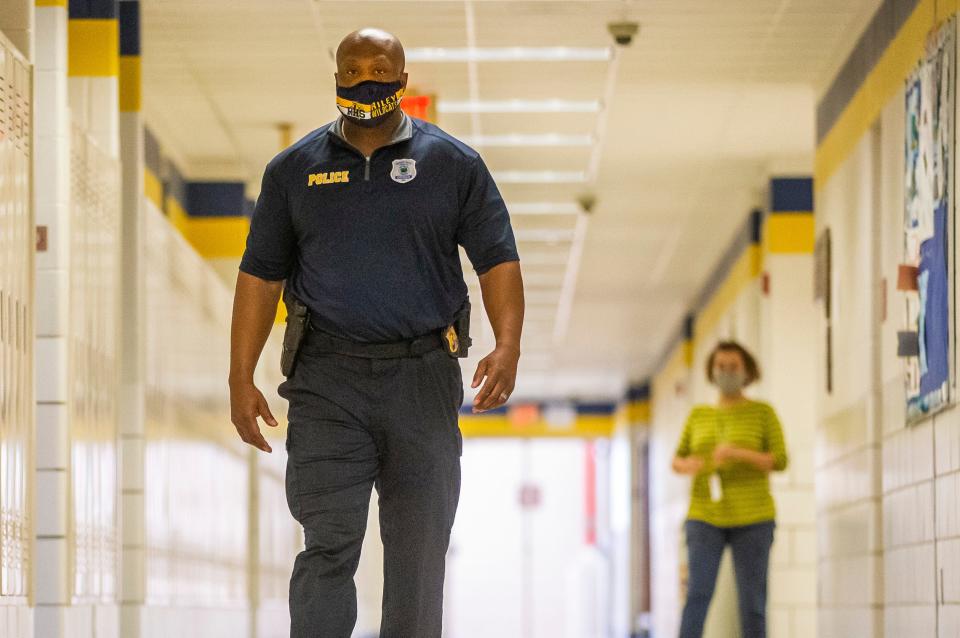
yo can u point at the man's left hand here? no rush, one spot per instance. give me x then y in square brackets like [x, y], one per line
[500, 370]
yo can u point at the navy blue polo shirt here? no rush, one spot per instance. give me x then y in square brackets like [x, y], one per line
[370, 244]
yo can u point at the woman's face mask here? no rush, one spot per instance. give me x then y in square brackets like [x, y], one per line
[730, 382]
[369, 103]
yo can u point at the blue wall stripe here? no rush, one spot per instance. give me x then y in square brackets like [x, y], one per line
[596, 408]
[215, 199]
[688, 323]
[639, 392]
[791, 194]
[129, 27]
[93, 9]
[756, 226]
[173, 184]
[873, 42]
[151, 152]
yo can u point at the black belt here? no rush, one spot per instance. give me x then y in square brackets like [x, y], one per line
[322, 342]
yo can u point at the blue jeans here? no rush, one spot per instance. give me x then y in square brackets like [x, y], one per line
[750, 545]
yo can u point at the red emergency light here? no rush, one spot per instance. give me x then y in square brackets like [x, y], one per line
[419, 106]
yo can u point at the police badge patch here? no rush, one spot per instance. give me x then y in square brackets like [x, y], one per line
[404, 170]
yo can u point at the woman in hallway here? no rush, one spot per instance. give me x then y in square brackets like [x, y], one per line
[730, 449]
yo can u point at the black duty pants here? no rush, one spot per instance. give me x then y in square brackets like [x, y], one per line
[358, 423]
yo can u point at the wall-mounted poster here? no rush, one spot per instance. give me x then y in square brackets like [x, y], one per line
[926, 275]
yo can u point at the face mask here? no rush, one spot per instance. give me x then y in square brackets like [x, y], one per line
[730, 383]
[369, 103]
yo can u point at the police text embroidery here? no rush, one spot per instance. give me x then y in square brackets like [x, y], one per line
[337, 177]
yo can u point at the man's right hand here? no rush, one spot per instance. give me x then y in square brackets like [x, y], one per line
[246, 404]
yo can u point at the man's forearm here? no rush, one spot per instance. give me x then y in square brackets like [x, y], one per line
[254, 311]
[502, 289]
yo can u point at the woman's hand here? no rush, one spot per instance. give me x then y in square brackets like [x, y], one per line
[688, 464]
[724, 453]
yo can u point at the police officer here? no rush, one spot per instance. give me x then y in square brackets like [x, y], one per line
[362, 219]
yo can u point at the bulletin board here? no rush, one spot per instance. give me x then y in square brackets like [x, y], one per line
[926, 275]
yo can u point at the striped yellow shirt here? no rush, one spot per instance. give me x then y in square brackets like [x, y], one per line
[746, 490]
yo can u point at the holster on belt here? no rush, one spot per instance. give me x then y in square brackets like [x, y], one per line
[298, 320]
[456, 336]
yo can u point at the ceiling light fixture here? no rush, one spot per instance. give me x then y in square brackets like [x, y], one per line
[509, 54]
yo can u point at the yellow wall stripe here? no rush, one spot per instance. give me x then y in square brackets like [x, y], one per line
[51, 3]
[215, 237]
[585, 426]
[638, 413]
[130, 83]
[212, 237]
[789, 233]
[93, 47]
[883, 83]
[175, 212]
[152, 188]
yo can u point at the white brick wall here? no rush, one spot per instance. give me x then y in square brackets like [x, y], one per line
[888, 494]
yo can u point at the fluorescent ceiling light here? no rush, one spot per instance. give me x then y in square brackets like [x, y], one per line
[519, 106]
[543, 208]
[509, 54]
[522, 139]
[540, 177]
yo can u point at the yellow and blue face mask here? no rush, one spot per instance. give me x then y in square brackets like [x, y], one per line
[369, 103]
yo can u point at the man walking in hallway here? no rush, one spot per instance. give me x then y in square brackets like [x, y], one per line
[362, 219]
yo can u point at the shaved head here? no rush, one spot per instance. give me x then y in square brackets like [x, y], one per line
[371, 43]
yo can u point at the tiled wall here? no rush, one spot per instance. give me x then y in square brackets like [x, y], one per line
[198, 475]
[849, 432]
[16, 342]
[78, 525]
[93, 523]
[887, 492]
